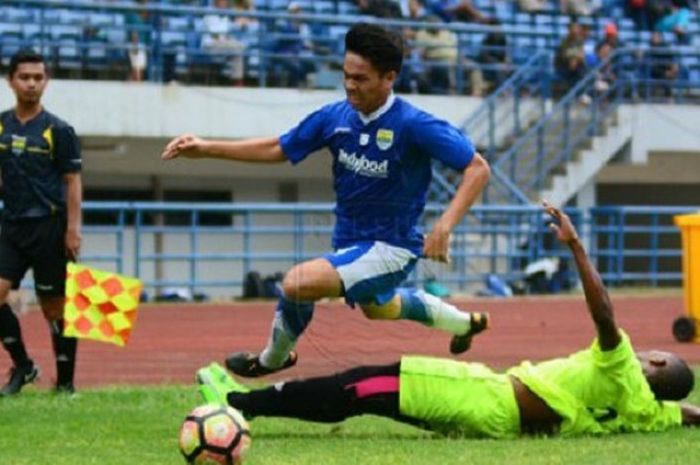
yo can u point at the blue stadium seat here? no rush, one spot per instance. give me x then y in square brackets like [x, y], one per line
[68, 53]
[64, 31]
[277, 4]
[10, 32]
[12, 14]
[505, 11]
[323, 7]
[523, 18]
[347, 8]
[98, 19]
[75, 17]
[337, 33]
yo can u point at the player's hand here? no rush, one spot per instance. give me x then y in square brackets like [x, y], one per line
[186, 145]
[72, 244]
[562, 227]
[437, 244]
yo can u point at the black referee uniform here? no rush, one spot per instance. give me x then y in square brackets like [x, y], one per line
[34, 157]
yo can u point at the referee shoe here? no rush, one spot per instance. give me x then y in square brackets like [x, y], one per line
[19, 376]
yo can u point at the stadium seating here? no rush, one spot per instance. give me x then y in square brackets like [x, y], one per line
[82, 36]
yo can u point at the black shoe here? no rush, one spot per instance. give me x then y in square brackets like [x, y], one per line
[18, 378]
[247, 364]
[461, 344]
[65, 388]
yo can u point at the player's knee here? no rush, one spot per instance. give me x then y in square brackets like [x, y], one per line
[296, 289]
[379, 312]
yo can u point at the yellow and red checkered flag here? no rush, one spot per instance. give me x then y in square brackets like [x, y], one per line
[100, 305]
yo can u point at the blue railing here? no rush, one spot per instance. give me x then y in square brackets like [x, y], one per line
[550, 143]
[638, 243]
[515, 105]
[178, 244]
[525, 150]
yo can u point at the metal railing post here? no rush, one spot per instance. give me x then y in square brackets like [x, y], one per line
[194, 255]
[137, 242]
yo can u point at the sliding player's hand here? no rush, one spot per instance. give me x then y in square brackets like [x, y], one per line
[186, 145]
[562, 227]
[437, 244]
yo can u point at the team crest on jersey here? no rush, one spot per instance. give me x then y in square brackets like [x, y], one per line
[19, 144]
[385, 137]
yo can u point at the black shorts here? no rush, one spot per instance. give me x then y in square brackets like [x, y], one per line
[37, 243]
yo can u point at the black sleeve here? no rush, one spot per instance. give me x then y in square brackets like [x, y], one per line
[67, 149]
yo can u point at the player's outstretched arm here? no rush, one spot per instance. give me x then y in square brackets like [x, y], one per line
[260, 150]
[474, 178]
[597, 296]
[691, 414]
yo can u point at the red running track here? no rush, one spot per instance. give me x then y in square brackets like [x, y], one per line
[171, 341]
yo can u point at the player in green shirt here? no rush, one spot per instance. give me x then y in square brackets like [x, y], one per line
[607, 388]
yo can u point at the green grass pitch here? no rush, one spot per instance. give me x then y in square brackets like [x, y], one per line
[139, 425]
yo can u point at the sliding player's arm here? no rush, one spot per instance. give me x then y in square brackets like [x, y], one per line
[597, 297]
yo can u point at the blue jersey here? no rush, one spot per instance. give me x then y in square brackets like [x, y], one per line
[381, 166]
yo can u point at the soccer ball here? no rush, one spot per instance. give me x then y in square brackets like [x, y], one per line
[214, 435]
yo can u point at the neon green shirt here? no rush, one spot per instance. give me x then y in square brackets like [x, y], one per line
[599, 392]
[456, 397]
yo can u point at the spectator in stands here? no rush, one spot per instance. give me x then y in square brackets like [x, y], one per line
[493, 57]
[244, 22]
[416, 10]
[139, 27]
[576, 7]
[455, 10]
[438, 47]
[639, 12]
[662, 65]
[570, 58]
[380, 8]
[611, 35]
[676, 20]
[218, 40]
[605, 76]
[296, 46]
[646, 13]
[533, 6]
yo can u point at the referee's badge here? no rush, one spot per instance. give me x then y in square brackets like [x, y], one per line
[385, 137]
[18, 145]
[364, 139]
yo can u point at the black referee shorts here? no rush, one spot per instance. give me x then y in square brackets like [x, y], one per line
[37, 243]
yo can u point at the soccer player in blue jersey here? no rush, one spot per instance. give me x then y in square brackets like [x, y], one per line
[41, 162]
[382, 149]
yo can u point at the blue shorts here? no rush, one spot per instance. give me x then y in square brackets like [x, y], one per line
[371, 271]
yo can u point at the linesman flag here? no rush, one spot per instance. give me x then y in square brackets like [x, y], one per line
[100, 305]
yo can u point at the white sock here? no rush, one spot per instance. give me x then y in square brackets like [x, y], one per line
[444, 315]
[279, 345]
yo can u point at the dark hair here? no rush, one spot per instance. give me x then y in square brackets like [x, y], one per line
[25, 55]
[381, 47]
[675, 383]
